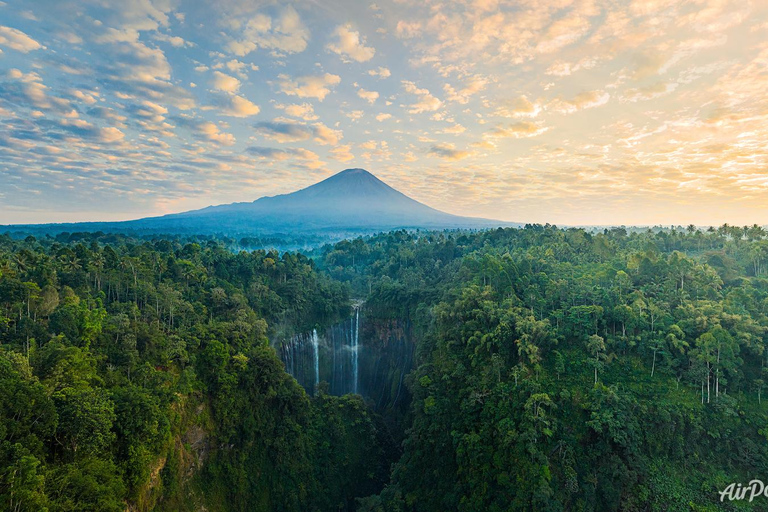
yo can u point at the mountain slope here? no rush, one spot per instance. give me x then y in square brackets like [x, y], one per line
[351, 201]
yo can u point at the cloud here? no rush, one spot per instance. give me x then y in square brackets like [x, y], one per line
[354, 115]
[325, 135]
[206, 130]
[17, 40]
[426, 102]
[408, 29]
[648, 64]
[648, 92]
[560, 68]
[285, 34]
[28, 89]
[369, 96]
[212, 133]
[286, 130]
[448, 152]
[134, 69]
[581, 101]
[236, 106]
[151, 115]
[236, 66]
[308, 159]
[304, 111]
[308, 86]
[175, 41]
[282, 154]
[110, 134]
[108, 114]
[519, 130]
[456, 129]
[380, 72]
[342, 153]
[224, 82]
[516, 108]
[350, 45]
[473, 86]
[87, 130]
[563, 32]
[88, 98]
[383, 117]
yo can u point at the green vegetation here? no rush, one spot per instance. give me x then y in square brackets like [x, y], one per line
[555, 370]
[566, 370]
[140, 373]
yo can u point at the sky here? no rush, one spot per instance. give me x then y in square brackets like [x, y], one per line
[571, 112]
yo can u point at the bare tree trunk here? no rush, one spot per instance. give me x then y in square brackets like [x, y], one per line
[717, 374]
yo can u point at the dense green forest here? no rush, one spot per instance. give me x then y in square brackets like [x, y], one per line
[555, 369]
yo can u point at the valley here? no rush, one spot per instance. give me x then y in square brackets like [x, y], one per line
[608, 371]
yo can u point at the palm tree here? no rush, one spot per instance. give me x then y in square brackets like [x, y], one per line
[97, 265]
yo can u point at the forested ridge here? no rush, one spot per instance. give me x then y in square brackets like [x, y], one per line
[138, 374]
[555, 370]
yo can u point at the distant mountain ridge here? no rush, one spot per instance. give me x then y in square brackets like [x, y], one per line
[353, 200]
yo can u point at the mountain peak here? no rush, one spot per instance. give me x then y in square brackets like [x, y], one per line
[351, 200]
[354, 170]
[348, 185]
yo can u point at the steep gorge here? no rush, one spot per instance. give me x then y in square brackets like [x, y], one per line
[361, 354]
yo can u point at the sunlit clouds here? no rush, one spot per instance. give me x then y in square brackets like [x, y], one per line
[561, 111]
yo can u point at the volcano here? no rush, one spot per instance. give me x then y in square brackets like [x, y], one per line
[352, 201]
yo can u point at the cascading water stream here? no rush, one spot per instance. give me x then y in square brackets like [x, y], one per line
[316, 347]
[340, 354]
[355, 354]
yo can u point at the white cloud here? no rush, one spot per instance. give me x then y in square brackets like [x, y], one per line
[287, 130]
[581, 101]
[380, 72]
[519, 130]
[473, 86]
[309, 86]
[224, 82]
[342, 153]
[110, 134]
[649, 92]
[285, 34]
[383, 117]
[456, 129]
[448, 152]
[237, 106]
[350, 45]
[211, 132]
[325, 135]
[309, 158]
[175, 41]
[408, 29]
[425, 103]
[369, 96]
[304, 111]
[354, 115]
[17, 40]
[519, 107]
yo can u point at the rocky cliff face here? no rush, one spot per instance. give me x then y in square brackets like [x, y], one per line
[362, 355]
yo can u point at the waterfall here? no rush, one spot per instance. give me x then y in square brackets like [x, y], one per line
[316, 347]
[332, 354]
[355, 355]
